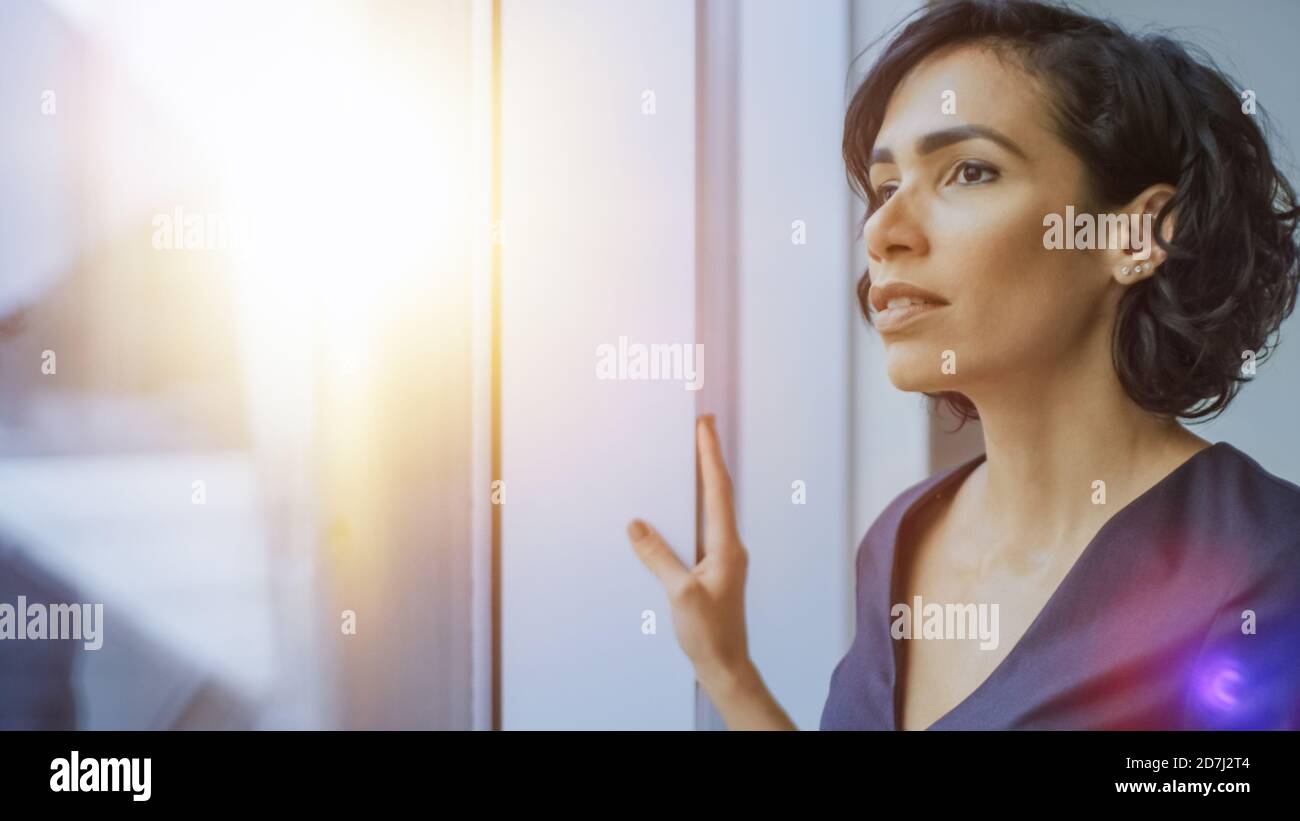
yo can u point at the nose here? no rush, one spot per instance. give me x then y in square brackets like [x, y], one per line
[895, 229]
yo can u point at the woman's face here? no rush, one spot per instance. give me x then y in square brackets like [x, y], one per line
[968, 166]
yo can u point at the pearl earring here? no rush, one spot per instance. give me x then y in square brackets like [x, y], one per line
[1137, 270]
[1123, 271]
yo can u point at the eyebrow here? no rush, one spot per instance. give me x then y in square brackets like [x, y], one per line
[935, 140]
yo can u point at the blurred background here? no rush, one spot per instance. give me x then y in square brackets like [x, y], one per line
[299, 316]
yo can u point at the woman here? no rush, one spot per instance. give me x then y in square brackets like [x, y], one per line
[1141, 578]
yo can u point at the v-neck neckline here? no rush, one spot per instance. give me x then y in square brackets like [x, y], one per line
[960, 474]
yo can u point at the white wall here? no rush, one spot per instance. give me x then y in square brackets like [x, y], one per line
[598, 205]
[795, 314]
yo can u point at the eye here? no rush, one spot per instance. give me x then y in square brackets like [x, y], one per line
[884, 192]
[972, 172]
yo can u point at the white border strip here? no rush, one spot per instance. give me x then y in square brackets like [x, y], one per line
[481, 368]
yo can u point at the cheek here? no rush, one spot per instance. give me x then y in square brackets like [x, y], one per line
[955, 346]
[1013, 307]
[989, 336]
[1015, 304]
[1023, 314]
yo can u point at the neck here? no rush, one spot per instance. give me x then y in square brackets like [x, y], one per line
[1050, 438]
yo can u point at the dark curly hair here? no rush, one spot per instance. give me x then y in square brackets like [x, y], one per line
[1137, 110]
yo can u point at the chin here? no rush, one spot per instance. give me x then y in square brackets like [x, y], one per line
[916, 366]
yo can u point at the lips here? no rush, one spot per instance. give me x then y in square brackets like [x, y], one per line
[892, 319]
[899, 303]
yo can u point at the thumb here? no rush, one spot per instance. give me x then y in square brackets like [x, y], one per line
[656, 555]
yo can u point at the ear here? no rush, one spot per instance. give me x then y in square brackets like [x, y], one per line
[1139, 255]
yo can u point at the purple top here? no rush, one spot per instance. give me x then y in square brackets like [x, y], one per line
[1145, 632]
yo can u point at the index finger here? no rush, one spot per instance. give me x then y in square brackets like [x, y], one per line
[719, 498]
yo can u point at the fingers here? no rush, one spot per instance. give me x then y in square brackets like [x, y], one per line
[655, 554]
[719, 501]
